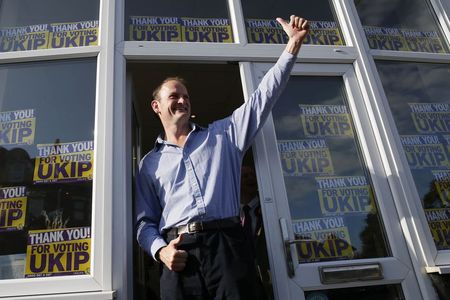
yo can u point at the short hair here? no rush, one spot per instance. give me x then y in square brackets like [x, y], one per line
[156, 91]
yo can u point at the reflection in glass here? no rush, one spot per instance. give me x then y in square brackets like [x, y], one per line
[333, 207]
[262, 28]
[46, 143]
[386, 292]
[419, 99]
[178, 21]
[47, 24]
[401, 25]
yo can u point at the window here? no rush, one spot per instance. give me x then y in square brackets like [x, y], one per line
[262, 27]
[47, 24]
[401, 25]
[331, 199]
[46, 165]
[419, 99]
[178, 21]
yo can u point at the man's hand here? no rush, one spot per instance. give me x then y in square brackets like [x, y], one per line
[296, 30]
[173, 258]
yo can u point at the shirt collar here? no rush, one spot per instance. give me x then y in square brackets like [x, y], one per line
[160, 139]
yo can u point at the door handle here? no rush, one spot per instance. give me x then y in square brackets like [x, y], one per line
[287, 247]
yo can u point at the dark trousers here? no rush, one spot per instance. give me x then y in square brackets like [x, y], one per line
[219, 266]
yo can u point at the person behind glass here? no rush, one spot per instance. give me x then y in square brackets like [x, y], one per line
[252, 223]
[251, 216]
[187, 187]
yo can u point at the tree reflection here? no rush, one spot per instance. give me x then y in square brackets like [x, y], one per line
[372, 238]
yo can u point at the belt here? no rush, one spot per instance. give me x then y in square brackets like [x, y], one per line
[195, 227]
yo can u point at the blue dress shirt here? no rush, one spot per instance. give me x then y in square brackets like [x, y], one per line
[201, 181]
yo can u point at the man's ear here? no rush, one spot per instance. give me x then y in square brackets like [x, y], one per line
[155, 106]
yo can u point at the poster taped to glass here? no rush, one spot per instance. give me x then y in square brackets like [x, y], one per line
[439, 223]
[345, 195]
[446, 138]
[209, 30]
[48, 36]
[157, 29]
[322, 239]
[430, 117]
[442, 184]
[268, 31]
[17, 127]
[325, 120]
[305, 157]
[76, 34]
[58, 252]
[403, 39]
[32, 37]
[424, 151]
[13, 206]
[183, 29]
[64, 162]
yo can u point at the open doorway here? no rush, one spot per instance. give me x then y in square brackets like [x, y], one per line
[215, 90]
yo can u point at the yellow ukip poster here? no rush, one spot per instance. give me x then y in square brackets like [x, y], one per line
[322, 239]
[17, 127]
[439, 223]
[32, 37]
[206, 30]
[431, 117]
[269, 31]
[446, 137]
[345, 195]
[13, 207]
[325, 120]
[403, 39]
[422, 41]
[385, 38]
[74, 34]
[58, 252]
[157, 29]
[424, 152]
[305, 157]
[265, 31]
[442, 184]
[64, 162]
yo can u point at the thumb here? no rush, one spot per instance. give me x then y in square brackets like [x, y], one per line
[282, 22]
[178, 240]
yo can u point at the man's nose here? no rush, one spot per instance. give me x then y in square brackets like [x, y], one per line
[182, 99]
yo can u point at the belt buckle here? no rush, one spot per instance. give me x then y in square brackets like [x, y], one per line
[195, 227]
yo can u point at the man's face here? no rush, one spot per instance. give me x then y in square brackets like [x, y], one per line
[173, 105]
[249, 184]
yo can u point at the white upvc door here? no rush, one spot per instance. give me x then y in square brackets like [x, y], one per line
[329, 216]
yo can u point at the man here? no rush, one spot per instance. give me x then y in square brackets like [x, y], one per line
[250, 206]
[187, 188]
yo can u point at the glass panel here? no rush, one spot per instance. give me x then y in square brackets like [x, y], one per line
[419, 99]
[385, 292]
[178, 21]
[332, 203]
[46, 156]
[401, 25]
[262, 28]
[46, 24]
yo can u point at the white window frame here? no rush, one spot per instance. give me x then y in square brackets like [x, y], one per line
[98, 284]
